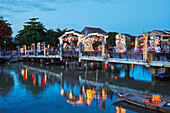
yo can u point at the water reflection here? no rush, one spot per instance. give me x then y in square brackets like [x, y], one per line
[67, 87]
[6, 83]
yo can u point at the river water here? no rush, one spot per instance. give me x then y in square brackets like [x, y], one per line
[27, 87]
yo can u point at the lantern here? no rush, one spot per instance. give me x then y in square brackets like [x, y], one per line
[100, 47]
[142, 44]
[137, 49]
[137, 46]
[142, 38]
[106, 43]
[100, 40]
[138, 42]
[142, 49]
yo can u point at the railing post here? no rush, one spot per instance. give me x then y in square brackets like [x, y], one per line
[61, 51]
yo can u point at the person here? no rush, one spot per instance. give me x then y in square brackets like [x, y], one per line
[157, 51]
[162, 52]
[167, 52]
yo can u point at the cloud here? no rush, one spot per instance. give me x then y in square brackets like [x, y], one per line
[24, 6]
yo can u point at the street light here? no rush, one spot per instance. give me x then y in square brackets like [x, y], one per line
[5, 47]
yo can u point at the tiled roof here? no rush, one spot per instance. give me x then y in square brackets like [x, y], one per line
[96, 30]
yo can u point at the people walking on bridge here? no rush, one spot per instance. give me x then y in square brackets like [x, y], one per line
[167, 52]
[158, 51]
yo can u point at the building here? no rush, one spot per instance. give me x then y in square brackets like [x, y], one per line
[88, 30]
[163, 35]
[129, 37]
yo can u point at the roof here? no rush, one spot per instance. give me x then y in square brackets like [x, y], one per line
[164, 31]
[129, 35]
[96, 30]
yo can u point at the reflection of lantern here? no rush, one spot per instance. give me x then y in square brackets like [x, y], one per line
[100, 40]
[142, 44]
[142, 49]
[142, 38]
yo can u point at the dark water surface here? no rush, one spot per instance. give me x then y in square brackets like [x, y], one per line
[28, 87]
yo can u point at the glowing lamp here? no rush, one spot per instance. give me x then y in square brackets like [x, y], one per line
[142, 44]
[100, 47]
[138, 42]
[106, 43]
[137, 46]
[115, 78]
[101, 99]
[137, 49]
[32, 45]
[142, 49]
[100, 40]
[142, 38]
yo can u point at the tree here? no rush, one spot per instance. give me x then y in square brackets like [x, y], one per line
[5, 32]
[111, 38]
[32, 32]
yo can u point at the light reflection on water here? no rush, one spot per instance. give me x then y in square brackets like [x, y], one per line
[26, 87]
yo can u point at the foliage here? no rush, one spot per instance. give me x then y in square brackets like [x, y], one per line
[32, 32]
[111, 38]
[52, 36]
[5, 32]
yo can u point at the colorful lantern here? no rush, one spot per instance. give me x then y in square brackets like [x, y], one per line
[138, 42]
[100, 47]
[106, 43]
[142, 38]
[100, 40]
[142, 44]
[137, 46]
[142, 49]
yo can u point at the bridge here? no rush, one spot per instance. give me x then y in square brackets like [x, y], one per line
[118, 58]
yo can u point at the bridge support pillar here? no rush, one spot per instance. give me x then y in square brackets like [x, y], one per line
[167, 69]
[52, 60]
[32, 59]
[41, 60]
[127, 70]
[79, 64]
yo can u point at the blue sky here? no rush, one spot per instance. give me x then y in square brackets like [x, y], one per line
[123, 16]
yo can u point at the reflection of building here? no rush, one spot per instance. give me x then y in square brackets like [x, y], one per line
[120, 110]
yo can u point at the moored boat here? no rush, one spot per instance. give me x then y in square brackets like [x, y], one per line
[3, 60]
[154, 102]
[163, 76]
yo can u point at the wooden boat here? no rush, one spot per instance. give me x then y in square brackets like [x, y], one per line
[163, 76]
[144, 101]
[3, 60]
[132, 107]
[89, 68]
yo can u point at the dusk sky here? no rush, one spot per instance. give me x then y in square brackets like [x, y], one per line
[123, 16]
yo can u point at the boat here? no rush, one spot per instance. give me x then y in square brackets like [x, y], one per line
[163, 76]
[154, 102]
[132, 107]
[89, 68]
[3, 60]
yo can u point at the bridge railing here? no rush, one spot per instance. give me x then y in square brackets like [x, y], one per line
[74, 53]
[152, 56]
[95, 53]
